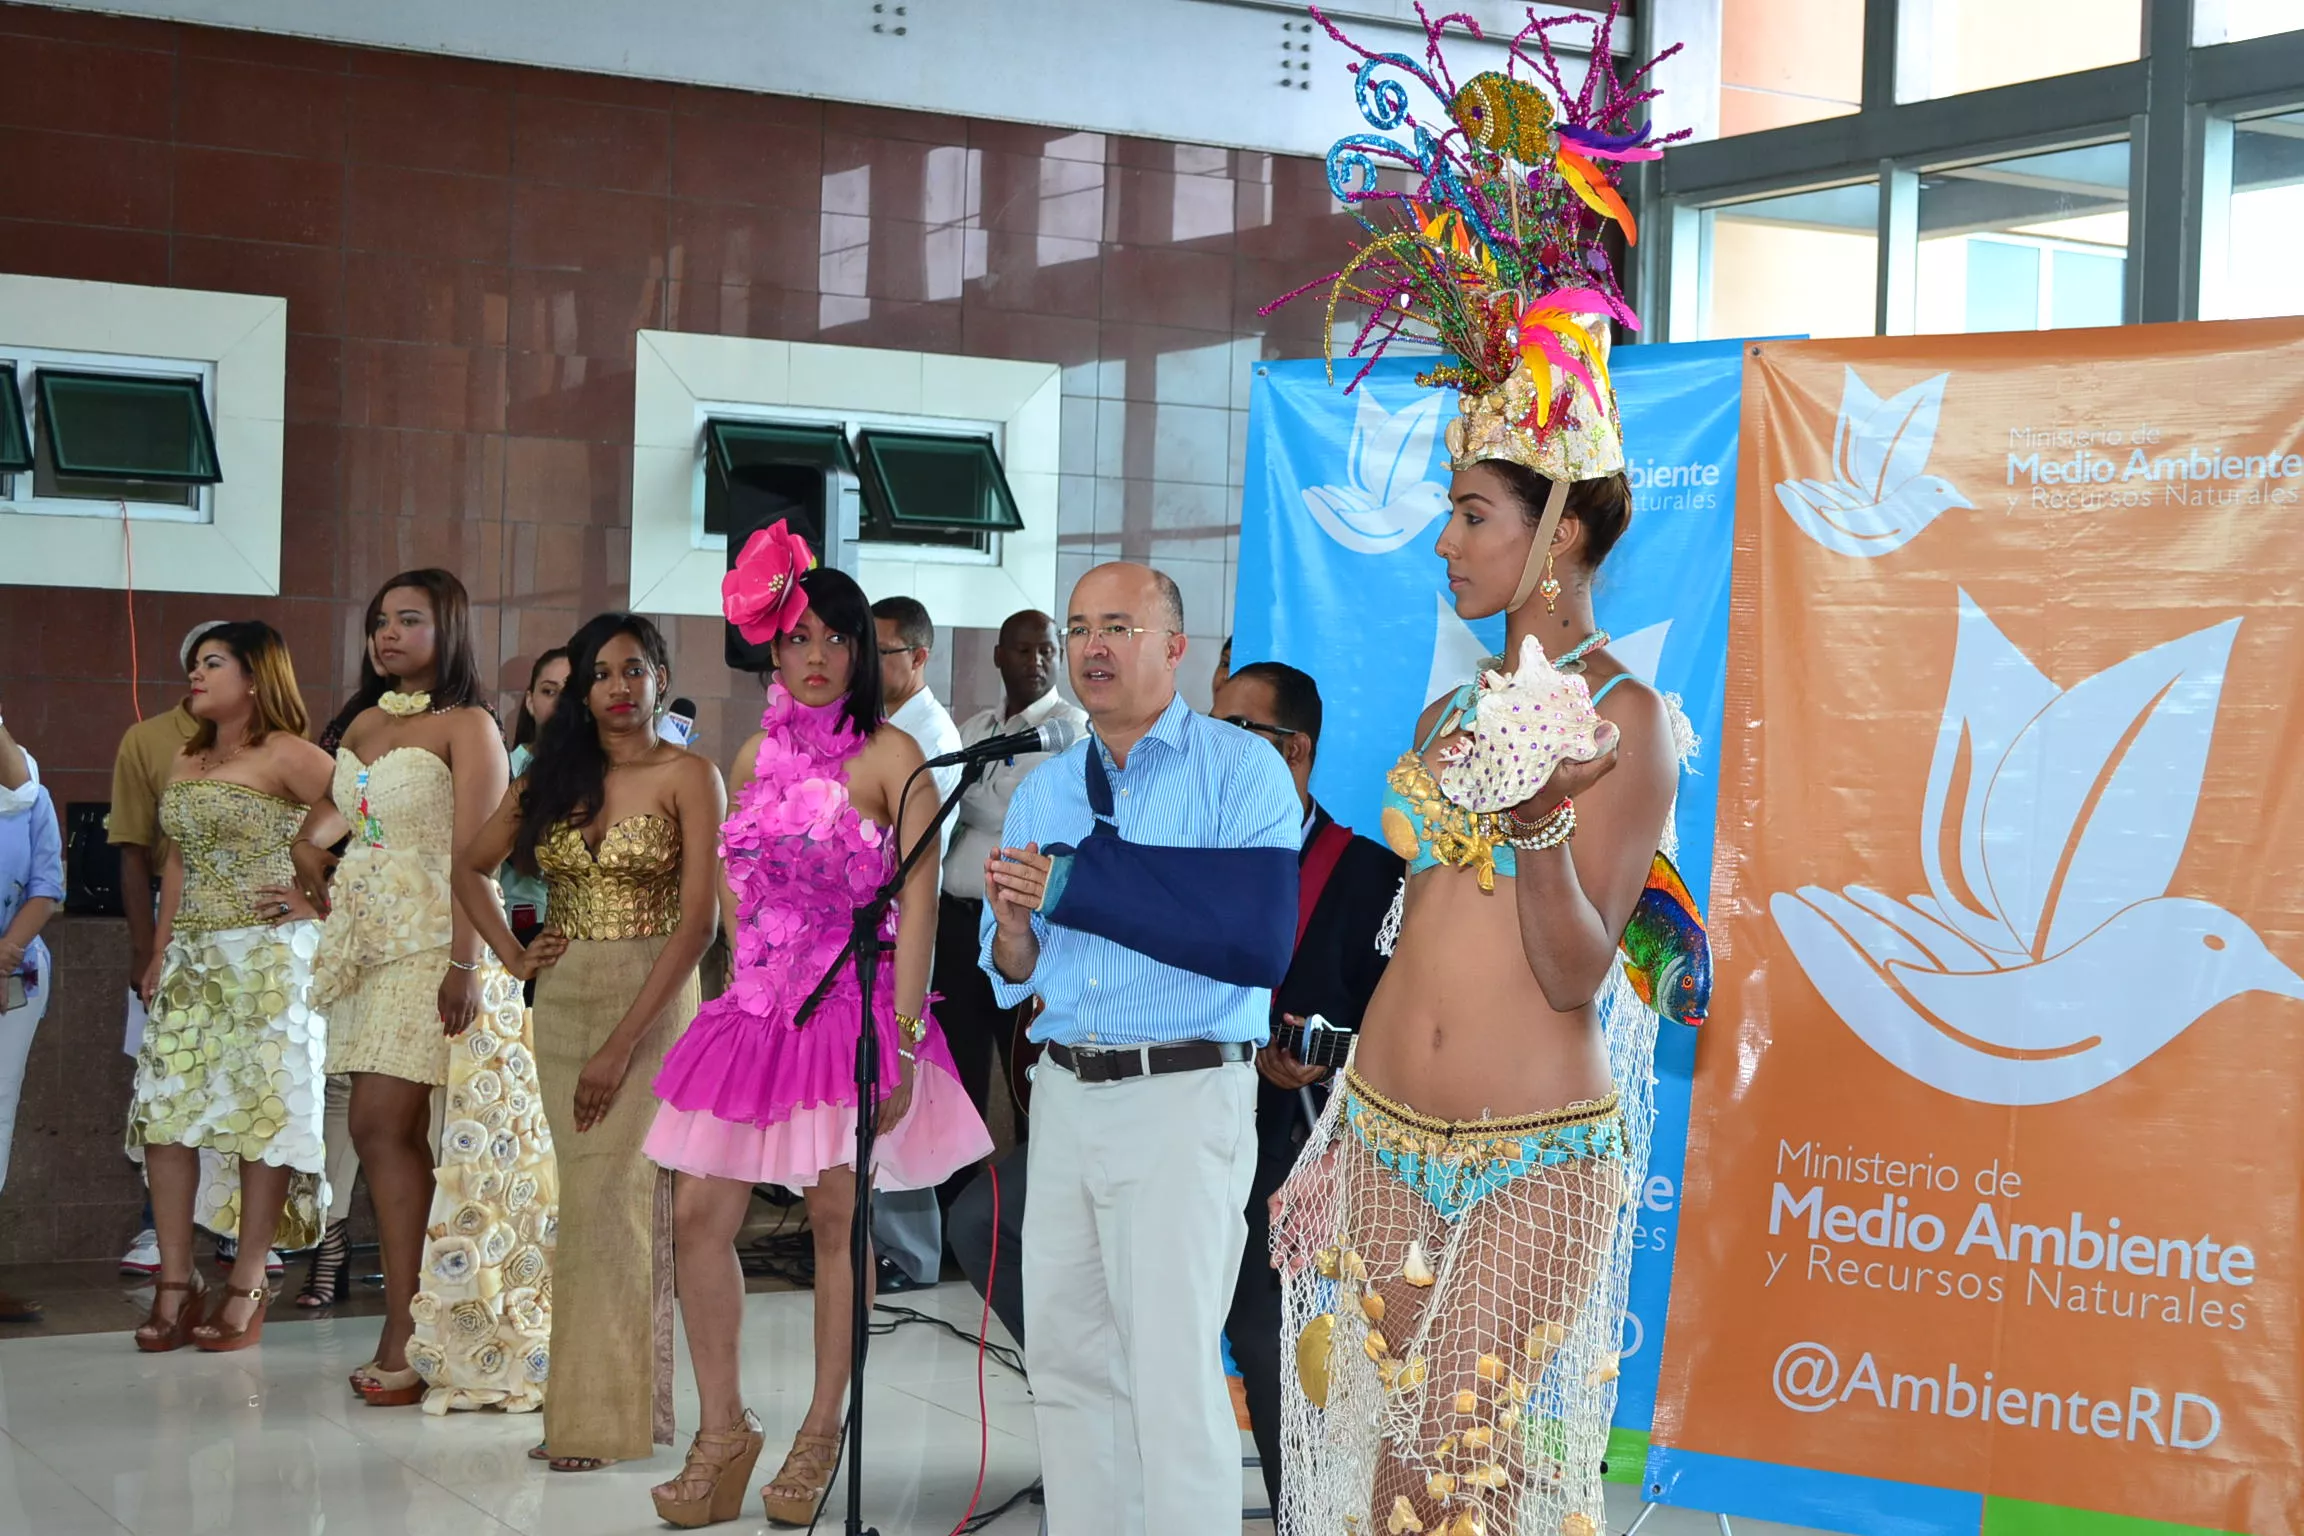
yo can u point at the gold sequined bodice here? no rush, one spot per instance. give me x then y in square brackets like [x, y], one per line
[630, 889]
[235, 839]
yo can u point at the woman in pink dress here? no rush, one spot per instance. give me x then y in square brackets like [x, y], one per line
[825, 798]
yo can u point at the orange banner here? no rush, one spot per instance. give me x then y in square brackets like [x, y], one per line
[1995, 1164]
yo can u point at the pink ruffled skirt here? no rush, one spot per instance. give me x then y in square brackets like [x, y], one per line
[754, 1099]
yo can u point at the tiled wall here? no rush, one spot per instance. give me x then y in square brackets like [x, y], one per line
[467, 250]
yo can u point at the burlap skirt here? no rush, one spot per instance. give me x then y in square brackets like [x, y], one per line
[612, 1275]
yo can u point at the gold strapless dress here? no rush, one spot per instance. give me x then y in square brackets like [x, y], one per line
[612, 1278]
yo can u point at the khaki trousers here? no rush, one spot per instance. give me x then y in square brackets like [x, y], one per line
[1132, 1246]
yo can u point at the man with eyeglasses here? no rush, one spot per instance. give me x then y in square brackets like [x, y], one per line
[1345, 886]
[975, 1025]
[1146, 893]
[908, 1225]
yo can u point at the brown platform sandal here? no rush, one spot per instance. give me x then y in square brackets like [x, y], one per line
[792, 1495]
[394, 1389]
[710, 1487]
[159, 1335]
[214, 1337]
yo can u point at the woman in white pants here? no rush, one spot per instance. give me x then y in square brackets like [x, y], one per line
[31, 888]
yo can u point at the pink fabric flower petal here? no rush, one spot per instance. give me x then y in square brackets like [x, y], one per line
[761, 594]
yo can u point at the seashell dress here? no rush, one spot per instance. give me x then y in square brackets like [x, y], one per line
[231, 1060]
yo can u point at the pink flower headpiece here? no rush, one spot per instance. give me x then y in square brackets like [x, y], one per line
[761, 594]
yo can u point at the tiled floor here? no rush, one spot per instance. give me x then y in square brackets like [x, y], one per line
[97, 1440]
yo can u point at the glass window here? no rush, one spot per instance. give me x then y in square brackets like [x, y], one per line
[2233, 21]
[1945, 47]
[2038, 242]
[1806, 264]
[15, 441]
[764, 470]
[1788, 61]
[115, 427]
[2258, 273]
[934, 489]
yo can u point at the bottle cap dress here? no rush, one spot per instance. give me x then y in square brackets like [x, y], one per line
[231, 1060]
[618, 906]
[747, 1093]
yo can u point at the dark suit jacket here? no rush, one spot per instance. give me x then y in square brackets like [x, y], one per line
[1334, 972]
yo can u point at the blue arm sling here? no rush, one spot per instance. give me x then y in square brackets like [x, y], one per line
[1228, 914]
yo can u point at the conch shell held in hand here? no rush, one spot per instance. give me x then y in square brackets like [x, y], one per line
[1524, 725]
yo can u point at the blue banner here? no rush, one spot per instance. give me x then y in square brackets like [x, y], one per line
[1345, 496]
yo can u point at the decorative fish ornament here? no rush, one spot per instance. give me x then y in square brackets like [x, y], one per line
[1667, 958]
[1505, 116]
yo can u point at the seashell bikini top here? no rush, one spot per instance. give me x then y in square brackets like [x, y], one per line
[1426, 828]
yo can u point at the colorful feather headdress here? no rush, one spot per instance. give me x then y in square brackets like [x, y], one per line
[1497, 253]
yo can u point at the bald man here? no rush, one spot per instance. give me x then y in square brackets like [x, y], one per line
[1145, 891]
[975, 1025]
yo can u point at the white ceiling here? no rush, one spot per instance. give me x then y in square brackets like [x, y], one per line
[1196, 71]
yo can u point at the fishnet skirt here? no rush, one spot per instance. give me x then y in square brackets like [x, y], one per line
[1455, 1294]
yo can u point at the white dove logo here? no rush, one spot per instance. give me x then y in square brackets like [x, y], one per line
[1878, 498]
[1390, 500]
[2048, 958]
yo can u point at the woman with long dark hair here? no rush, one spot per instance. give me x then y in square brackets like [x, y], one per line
[413, 1003]
[526, 896]
[826, 794]
[623, 827]
[547, 680]
[230, 1070]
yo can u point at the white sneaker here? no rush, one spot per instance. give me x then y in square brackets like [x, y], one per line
[143, 1255]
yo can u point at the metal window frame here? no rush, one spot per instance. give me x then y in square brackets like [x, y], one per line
[15, 426]
[2174, 105]
[870, 440]
[191, 388]
[874, 528]
[18, 492]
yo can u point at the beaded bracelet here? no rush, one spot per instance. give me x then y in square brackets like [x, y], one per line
[1550, 830]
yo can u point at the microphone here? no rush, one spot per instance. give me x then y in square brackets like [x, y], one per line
[1053, 734]
[679, 723]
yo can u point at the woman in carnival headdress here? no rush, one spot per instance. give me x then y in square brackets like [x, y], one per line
[1454, 1239]
[826, 794]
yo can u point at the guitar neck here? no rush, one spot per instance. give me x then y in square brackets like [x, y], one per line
[1329, 1048]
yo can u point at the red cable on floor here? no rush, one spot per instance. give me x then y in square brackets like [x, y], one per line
[128, 559]
[983, 1332]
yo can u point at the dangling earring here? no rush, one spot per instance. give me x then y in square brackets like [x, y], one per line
[1550, 585]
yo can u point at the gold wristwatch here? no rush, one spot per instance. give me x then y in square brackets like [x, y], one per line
[913, 1028]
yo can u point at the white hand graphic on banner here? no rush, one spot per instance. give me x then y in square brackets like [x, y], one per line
[1879, 496]
[2048, 959]
[1390, 499]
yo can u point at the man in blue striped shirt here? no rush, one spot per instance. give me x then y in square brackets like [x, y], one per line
[1143, 1109]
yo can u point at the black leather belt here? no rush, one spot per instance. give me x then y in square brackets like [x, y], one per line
[1093, 1064]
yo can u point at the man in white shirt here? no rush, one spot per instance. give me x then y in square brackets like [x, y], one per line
[907, 640]
[976, 1027]
[908, 1225]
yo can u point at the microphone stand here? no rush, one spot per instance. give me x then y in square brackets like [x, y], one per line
[864, 949]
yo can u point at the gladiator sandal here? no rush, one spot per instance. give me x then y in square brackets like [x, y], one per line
[798, 1487]
[710, 1487]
